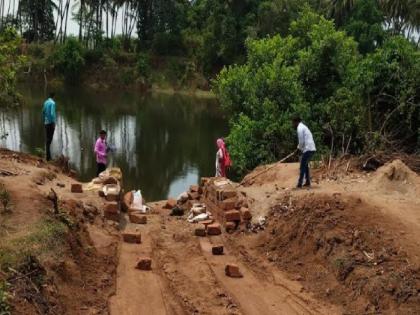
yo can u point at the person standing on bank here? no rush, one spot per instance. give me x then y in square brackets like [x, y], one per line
[307, 147]
[223, 161]
[49, 117]
[101, 151]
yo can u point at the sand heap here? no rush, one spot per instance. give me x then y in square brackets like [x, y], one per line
[396, 177]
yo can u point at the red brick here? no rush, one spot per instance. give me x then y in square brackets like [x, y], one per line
[127, 201]
[112, 211]
[137, 218]
[200, 231]
[132, 237]
[217, 250]
[214, 229]
[144, 263]
[170, 204]
[228, 204]
[232, 216]
[232, 270]
[246, 214]
[230, 226]
[76, 188]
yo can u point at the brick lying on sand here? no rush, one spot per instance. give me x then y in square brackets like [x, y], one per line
[76, 188]
[137, 218]
[217, 250]
[132, 237]
[232, 270]
[144, 263]
[214, 229]
[200, 231]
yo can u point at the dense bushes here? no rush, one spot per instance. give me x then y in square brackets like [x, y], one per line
[10, 63]
[69, 59]
[317, 72]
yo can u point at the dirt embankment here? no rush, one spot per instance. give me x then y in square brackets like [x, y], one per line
[349, 245]
[352, 240]
[52, 263]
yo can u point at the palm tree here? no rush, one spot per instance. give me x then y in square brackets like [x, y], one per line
[340, 9]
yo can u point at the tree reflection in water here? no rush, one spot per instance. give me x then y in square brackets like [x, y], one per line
[164, 142]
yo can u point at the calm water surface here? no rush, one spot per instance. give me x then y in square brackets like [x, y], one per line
[164, 142]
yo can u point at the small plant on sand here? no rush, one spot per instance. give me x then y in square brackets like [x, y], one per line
[4, 197]
[4, 305]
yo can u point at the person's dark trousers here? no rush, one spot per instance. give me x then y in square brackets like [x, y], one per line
[49, 134]
[304, 168]
[100, 169]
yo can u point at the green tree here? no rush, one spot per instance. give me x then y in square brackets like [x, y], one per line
[11, 62]
[390, 79]
[69, 60]
[37, 19]
[365, 24]
[307, 72]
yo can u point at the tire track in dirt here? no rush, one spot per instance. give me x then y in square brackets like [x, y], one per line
[256, 296]
[187, 272]
[140, 292]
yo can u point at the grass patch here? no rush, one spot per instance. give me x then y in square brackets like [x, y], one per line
[45, 239]
[4, 297]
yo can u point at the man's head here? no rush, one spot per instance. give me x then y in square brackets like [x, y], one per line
[52, 95]
[296, 121]
[102, 134]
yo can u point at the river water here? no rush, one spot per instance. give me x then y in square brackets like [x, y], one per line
[164, 143]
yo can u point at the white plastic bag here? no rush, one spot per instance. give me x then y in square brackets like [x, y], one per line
[137, 201]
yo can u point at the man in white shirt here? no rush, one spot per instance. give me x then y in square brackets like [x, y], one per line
[307, 147]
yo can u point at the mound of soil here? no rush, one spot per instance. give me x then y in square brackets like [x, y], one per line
[396, 176]
[345, 251]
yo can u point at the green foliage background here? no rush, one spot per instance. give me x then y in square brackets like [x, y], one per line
[318, 73]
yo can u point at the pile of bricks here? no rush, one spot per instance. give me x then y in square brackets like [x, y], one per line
[225, 203]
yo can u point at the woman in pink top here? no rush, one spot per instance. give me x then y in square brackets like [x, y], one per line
[101, 151]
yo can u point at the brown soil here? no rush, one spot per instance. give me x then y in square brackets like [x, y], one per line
[349, 245]
[79, 277]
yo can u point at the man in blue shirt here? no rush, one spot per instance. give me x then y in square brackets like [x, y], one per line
[49, 117]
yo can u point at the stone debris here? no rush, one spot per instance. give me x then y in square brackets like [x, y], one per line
[217, 250]
[132, 237]
[137, 218]
[144, 263]
[76, 188]
[232, 270]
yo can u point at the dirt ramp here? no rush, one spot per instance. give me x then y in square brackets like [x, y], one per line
[396, 177]
[344, 251]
